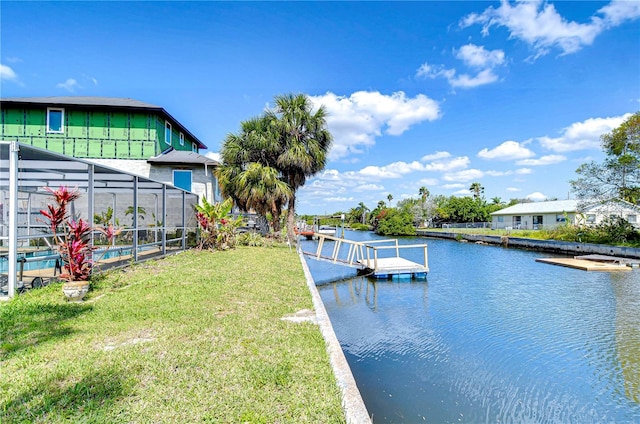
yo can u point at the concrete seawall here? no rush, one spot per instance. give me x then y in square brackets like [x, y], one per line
[554, 246]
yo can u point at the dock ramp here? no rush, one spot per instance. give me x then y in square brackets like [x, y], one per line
[372, 257]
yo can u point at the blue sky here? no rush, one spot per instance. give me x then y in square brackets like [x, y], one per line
[514, 95]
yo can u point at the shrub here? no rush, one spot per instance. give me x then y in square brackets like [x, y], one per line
[395, 223]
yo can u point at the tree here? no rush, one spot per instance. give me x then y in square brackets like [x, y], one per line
[424, 193]
[496, 200]
[390, 197]
[304, 144]
[477, 190]
[248, 173]
[396, 222]
[362, 209]
[619, 175]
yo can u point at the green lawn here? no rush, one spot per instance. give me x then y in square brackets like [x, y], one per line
[196, 337]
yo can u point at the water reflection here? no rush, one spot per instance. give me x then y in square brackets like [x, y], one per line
[492, 336]
[627, 295]
[363, 289]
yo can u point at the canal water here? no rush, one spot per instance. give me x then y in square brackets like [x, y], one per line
[489, 336]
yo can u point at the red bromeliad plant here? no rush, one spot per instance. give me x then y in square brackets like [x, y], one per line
[72, 238]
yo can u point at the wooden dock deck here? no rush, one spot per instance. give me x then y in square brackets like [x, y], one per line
[585, 264]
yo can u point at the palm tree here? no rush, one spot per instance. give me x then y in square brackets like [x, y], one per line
[248, 173]
[362, 210]
[424, 193]
[390, 197]
[477, 190]
[304, 144]
[496, 200]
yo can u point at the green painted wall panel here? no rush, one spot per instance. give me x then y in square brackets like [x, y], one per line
[119, 126]
[94, 149]
[55, 145]
[108, 149]
[40, 142]
[135, 148]
[139, 126]
[68, 145]
[36, 122]
[13, 125]
[98, 125]
[122, 149]
[76, 123]
[81, 147]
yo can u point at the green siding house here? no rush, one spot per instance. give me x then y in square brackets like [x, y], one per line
[94, 127]
[121, 133]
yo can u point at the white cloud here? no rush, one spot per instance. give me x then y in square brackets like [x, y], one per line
[91, 79]
[582, 135]
[430, 71]
[447, 165]
[509, 150]
[214, 156]
[339, 199]
[7, 74]
[483, 77]
[463, 192]
[619, 11]
[539, 24]
[464, 175]
[479, 57]
[368, 187]
[393, 170]
[435, 156]
[513, 189]
[524, 171]
[357, 120]
[70, 85]
[453, 186]
[543, 160]
[482, 61]
[427, 182]
[498, 173]
[536, 196]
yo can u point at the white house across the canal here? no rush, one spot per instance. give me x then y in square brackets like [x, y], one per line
[539, 215]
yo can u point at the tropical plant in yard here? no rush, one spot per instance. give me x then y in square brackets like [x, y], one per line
[71, 236]
[218, 230]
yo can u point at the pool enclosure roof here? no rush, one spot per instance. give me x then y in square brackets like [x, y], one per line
[40, 168]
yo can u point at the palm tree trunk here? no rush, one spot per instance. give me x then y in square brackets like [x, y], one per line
[291, 218]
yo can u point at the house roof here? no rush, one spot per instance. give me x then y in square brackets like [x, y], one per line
[101, 103]
[173, 157]
[553, 206]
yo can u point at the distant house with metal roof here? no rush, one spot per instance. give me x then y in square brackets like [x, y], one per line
[550, 214]
[122, 133]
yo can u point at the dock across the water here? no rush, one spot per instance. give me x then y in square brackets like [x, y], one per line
[593, 262]
[369, 257]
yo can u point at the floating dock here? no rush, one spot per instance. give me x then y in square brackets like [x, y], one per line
[602, 263]
[365, 257]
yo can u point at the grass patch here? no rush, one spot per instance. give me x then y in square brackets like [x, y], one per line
[195, 337]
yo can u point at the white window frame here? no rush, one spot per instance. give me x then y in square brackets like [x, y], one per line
[632, 218]
[181, 139]
[56, 109]
[194, 147]
[167, 126]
